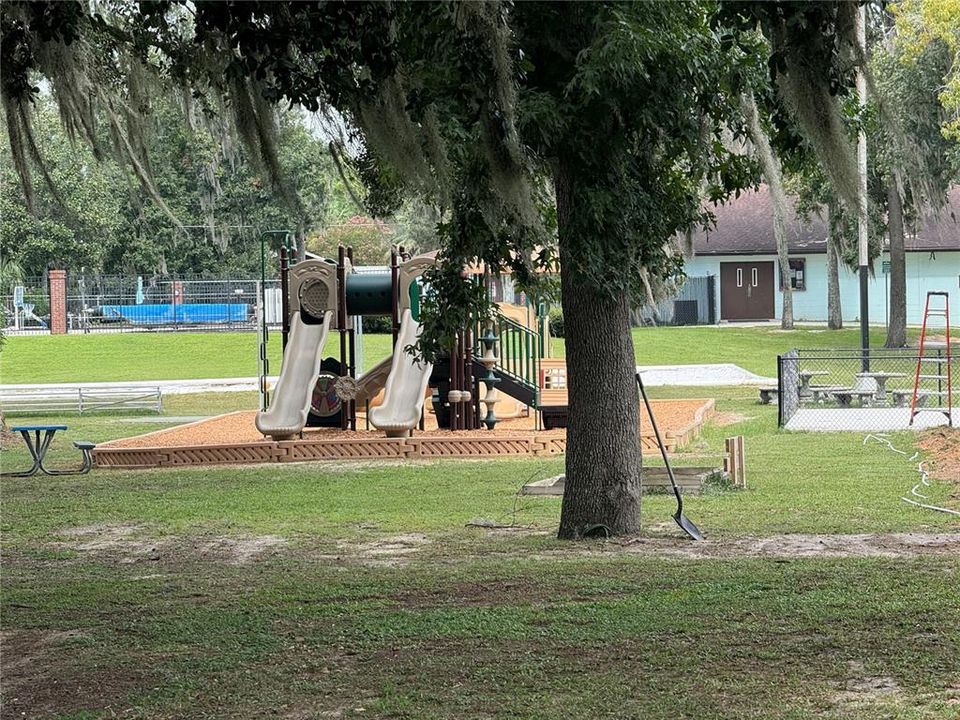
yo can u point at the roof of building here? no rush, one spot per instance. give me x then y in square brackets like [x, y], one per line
[745, 227]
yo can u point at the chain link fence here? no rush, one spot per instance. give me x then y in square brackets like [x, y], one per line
[849, 390]
[124, 303]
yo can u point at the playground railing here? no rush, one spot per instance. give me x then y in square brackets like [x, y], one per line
[519, 348]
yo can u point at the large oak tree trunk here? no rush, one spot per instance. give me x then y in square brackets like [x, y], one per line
[773, 174]
[834, 309]
[603, 445]
[897, 328]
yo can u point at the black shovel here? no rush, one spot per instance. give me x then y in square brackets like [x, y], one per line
[682, 520]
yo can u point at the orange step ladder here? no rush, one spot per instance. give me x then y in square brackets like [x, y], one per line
[939, 374]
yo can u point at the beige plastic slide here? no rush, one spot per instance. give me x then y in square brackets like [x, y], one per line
[406, 385]
[373, 380]
[288, 410]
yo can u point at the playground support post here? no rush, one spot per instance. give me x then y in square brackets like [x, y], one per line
[284, 297]
[395, 291]
[471, 384]
[351, 405]
[342, 323]
[263, 363]
[262, 300]
[454, 393]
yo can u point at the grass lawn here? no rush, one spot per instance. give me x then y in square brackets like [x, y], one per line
[753, 348]
[339, 590]
[149, 356]
[179, 356]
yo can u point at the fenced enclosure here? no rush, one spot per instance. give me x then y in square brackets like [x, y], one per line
[847, 390]
[694, 304]
[130, 303]
[26, 307]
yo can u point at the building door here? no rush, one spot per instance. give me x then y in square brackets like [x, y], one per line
[746, 291]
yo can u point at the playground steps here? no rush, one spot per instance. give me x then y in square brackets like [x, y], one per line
[510, 384]
[552, 390]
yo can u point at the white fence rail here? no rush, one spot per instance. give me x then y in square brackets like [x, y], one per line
[81, 400]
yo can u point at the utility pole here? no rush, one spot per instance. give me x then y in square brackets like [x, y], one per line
[862, 238]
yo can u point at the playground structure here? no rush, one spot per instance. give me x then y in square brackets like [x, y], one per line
[319, 295]
[496, 393]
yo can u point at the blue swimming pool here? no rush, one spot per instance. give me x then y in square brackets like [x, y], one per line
[181, 313]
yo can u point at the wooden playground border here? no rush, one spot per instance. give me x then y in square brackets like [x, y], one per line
[420, 447]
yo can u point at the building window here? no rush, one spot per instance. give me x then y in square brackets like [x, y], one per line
[798, 274]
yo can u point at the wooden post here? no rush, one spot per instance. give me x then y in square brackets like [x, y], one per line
[734, 462]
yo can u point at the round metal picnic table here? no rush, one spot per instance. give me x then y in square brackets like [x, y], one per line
[39, 443]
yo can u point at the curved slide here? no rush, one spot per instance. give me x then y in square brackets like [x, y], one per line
[287, 413]
[406, 385]
[373, 380]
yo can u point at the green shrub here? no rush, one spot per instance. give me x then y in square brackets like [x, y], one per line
[377, 324]
[556, 322]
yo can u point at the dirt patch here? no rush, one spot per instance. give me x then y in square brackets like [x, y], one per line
[123, 541]
[490, 593]
[10, 439]
[723, 419]
[129, 543]
[42, 677]
[942, 446]
[864, 690]
[793, 546]
[239, 550]
[384, 552]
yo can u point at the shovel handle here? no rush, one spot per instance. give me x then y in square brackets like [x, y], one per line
[663, 449]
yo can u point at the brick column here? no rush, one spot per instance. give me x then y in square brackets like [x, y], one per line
[58, 302]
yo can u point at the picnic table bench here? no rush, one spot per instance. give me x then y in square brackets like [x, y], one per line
[823, 392]
[39, 443]
[903, 397]
[845, 396]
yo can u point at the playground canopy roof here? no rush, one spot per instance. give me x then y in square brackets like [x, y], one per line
[745, 227]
